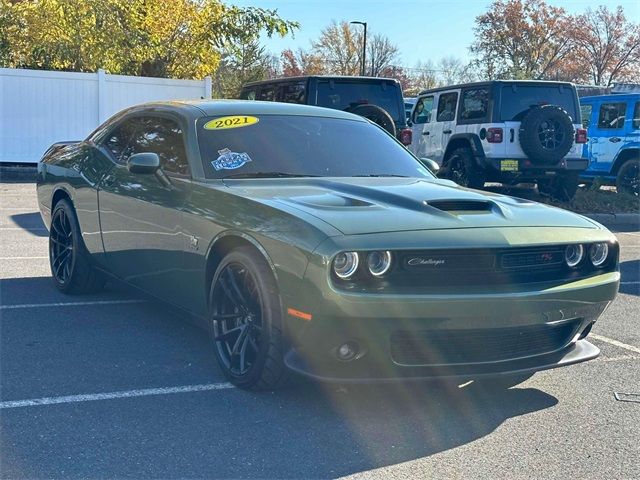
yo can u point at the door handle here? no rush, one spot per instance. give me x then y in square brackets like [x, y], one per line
[615, 139]
[425, 133]
[446, 131]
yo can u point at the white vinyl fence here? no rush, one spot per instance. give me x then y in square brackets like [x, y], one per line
[40, 107]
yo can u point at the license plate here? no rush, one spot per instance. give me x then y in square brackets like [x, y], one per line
[509, 165]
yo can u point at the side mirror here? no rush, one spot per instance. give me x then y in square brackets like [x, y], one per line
[430, 164]
[145, 163]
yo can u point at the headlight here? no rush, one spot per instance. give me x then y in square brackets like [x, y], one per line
[573, 254]
[598, 253]
[345, 264]
[379, 263]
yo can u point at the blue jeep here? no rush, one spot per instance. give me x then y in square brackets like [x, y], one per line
[613, 149]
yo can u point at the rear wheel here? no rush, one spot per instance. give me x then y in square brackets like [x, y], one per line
[245, 321]
[71, 265]
[562, 187]
[462, 169]
[628, 178]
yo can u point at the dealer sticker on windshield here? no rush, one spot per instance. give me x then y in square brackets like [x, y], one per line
[234, 121]
[509, 165]
[229, 160]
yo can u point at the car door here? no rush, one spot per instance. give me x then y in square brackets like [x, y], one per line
[444, 124]
[609, 135]
[140, 214]
[420, 127]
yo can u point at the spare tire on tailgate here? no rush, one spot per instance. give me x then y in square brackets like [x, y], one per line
[546, 134]
[377, 115]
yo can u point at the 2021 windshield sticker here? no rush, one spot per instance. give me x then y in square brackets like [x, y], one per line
[229, 160]
[233, 121]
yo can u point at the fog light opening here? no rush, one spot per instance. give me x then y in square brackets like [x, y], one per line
[586, 331]
[348, 351]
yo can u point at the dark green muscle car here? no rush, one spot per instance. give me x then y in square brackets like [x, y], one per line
[310, 240]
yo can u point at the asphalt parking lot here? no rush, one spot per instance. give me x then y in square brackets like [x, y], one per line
[117, 386]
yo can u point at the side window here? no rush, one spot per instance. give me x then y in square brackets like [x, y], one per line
[636, 116]
[118, 141]
[248, 95]
[585, 113]
[447, 107]
[475, 104]
[164, 137]
[612, 115]
[422, 112]
[267, 94]
[293, 93]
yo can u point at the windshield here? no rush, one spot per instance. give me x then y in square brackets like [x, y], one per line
[518, 99]
[288, 145]
[347, 95]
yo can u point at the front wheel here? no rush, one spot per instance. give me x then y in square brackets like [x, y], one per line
[461, 168]
[628, 178]
[245, 321]
[71, 265]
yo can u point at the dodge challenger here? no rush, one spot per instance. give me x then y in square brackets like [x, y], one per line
[309, 240]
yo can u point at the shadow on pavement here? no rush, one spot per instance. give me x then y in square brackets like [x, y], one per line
[630, 272]
[30, 222]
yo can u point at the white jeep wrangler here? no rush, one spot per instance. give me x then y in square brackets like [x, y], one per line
[506, 131]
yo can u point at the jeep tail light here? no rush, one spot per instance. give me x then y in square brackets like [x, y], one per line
[581, 135]
[495, 135]
[405, 136]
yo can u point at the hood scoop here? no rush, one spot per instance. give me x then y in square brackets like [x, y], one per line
[476, 206]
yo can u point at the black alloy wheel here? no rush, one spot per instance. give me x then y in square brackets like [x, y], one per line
[245, 318]
[61, 249]
[628, 179]
[72, 268]
[237, 319]
[551, 134]
[461, 169]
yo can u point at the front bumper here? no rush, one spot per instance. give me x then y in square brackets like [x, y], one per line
[371, 321]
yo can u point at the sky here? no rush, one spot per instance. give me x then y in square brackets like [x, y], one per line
[422, 29]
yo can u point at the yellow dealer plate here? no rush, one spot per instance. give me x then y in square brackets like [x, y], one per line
[234, 121]
[509, 165]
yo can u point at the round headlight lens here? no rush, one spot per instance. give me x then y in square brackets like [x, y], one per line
[573, 254]
[345, 264]
[379, 263]
[598, 253]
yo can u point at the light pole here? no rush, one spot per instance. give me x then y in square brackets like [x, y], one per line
[364, 46]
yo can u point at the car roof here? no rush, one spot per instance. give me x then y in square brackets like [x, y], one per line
[612, 96]
[348, 78]
[495, 82]
[211, 108]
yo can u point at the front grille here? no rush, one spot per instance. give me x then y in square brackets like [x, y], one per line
[436, 347]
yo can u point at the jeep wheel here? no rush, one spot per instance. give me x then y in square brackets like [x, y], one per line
[377, 115]
[562, 187]
[461, 168]
[628, 179]
[546, 134]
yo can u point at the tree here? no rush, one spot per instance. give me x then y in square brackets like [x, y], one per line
[339, 46]
[180, 38]
[381, 54]
[521, 39]
[607, 46]
[301, 63]
[241, 63]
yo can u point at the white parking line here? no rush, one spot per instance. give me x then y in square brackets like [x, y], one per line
[70, 304]
[22, 258]
[35, 229]
[111, 395]
[611, 341]
[629, 283]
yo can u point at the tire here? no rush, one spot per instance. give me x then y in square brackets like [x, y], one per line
[563, 187]
[71, 265]
[546, 134]
[462, 169]
[502, 382]
[377, 115]
[245, 319]
[628, 178]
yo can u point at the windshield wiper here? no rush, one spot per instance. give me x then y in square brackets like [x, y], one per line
[268, 175]
[380, 175]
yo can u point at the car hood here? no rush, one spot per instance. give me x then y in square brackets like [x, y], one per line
[356, 205]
